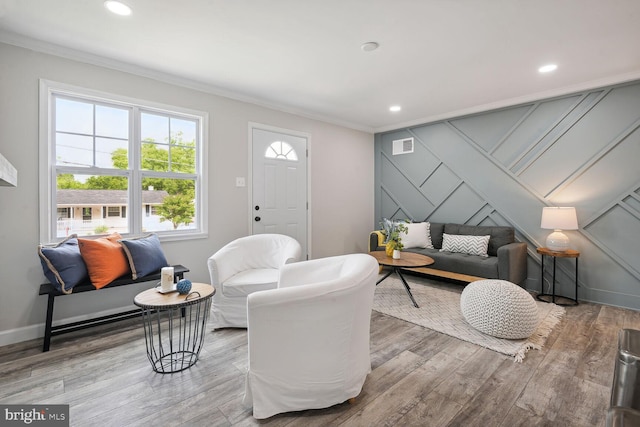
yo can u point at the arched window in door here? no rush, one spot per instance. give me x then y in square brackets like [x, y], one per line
[281, 150]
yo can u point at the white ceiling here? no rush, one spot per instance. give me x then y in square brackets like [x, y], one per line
[437, 58]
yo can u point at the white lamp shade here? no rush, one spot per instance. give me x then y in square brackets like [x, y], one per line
[559, 218]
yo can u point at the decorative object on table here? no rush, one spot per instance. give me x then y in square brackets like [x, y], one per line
[183, 286]
[440, 311]
[166, 279]
[499, 308]
[396, 253]
[558, 219]
[393, 240]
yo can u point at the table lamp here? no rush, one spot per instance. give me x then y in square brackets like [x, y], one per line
[558, 219]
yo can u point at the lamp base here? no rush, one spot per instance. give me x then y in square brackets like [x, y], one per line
[557, 241]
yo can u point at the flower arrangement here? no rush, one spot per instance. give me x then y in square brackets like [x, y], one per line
[391, 230]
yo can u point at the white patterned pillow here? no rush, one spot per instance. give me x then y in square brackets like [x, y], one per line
[417, 236]
[472, 245]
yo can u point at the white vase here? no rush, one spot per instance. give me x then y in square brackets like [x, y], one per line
[396, 254]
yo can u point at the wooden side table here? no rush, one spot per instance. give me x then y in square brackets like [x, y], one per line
[175, 326]
[406, 260]
[569, 253]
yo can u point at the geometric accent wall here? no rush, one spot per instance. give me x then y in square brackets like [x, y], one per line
[502, 167]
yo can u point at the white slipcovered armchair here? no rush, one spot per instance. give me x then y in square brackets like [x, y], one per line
[309, 338]
[243, 266]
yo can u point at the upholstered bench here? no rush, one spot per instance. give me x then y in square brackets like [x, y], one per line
[499, 308]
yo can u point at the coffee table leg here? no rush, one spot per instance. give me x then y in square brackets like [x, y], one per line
[385, 276]
[406, 286]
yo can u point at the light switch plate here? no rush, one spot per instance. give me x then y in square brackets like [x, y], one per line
[240, 181]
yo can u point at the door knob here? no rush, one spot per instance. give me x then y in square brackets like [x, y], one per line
[257, 218]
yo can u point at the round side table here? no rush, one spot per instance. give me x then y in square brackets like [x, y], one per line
[552, 297]
[174, 326]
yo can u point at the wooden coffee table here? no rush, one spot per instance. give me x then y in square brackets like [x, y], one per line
[406, 260]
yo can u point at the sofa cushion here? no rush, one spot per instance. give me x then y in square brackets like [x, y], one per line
[473, 265]
[472, 245]
[500, 235]
[436, 229]
[416, 236]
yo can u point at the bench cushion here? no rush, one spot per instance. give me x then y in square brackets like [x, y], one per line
[144, 255]
[62, 264]
[105, 259]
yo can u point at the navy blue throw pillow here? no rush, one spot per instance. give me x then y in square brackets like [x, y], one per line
[63, 265]
[144, 254]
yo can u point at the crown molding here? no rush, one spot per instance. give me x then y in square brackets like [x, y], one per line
[41, 46]
[525, 99]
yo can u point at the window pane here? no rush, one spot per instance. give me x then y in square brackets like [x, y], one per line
[74, 150]
[183, 130]
[112, 153]
[112, 122]
[155, 157]
[154, 128]
[168, 204]
[281, 150]
[74, 116]
[84, 198]
[183, 159]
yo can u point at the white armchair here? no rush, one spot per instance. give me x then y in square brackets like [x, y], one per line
[309, 338]
[243, 266]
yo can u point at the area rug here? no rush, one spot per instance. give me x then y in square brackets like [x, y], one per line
[440, 311]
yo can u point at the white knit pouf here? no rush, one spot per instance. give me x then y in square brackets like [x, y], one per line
[499, 308]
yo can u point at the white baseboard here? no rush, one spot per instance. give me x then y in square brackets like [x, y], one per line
[32, 332]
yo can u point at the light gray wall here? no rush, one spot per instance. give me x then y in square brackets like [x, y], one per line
[501, 167]
[333, 148]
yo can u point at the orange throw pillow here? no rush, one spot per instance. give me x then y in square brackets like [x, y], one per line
[105, 259]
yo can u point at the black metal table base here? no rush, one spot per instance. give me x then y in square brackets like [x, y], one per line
[175, 336]
[557, 299]
[552, 297]
[404, 282]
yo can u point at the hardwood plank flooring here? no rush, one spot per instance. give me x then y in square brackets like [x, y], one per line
[419, 378]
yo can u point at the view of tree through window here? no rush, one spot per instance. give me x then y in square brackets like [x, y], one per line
[103, 168]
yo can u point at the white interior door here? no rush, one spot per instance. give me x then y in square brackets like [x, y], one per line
[279, 184]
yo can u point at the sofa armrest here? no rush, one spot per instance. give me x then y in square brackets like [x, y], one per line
[376, 240]
[512, 262]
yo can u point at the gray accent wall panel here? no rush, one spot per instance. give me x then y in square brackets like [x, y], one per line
[502, 167]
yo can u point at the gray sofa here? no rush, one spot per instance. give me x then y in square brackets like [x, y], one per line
[507, 258]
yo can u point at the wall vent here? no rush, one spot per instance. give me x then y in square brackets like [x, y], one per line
[403, 146]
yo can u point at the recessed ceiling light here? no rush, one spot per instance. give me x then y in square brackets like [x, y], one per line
[547, 68]
[117, 7]
[369, 46]
[395, 108]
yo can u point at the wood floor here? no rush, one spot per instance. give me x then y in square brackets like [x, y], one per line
[419, 378]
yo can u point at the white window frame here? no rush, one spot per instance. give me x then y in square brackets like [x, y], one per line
[47, 161]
